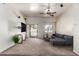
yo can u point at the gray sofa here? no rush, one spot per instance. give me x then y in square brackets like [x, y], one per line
[59, 39]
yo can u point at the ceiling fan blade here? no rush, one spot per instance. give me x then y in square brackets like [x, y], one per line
[53, 13]
[42, 13]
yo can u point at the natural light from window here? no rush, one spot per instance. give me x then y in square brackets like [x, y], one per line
[48, 28]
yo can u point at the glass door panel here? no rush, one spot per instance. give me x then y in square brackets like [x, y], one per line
[33, 30]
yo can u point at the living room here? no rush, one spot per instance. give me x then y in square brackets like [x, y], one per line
[58, 28]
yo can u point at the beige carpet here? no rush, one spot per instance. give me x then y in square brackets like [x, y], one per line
[38, 47]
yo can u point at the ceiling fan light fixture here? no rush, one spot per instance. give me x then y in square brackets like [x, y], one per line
[48, 11]
[33, 7]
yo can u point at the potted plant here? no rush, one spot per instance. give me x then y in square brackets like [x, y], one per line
[17, 38]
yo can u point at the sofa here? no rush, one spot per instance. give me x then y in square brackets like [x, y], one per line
[59, 39]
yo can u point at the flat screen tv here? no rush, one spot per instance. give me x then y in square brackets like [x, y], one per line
[23, 27]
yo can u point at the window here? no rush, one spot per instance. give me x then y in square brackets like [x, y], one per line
[48, 28]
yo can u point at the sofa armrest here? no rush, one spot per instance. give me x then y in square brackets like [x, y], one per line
[52, 37]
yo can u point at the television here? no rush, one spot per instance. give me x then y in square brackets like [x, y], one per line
[23, 27]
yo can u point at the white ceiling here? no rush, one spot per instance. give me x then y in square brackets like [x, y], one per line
[34, 9]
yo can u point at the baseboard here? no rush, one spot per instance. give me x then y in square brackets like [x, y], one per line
[77, 53]
[10, 46]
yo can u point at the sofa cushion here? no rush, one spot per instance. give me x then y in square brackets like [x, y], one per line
[57, 40]
[59, 35]
[68, 37]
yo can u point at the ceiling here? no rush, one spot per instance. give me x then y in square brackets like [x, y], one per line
[34, 9]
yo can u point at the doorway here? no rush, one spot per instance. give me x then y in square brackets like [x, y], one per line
[33, 30]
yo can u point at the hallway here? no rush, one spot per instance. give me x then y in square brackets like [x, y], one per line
[38, 47]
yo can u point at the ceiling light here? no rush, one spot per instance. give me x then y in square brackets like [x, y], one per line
[33, 7]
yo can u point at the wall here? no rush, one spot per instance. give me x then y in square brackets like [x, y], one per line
[68, 23]
[3, 29]
[41, 21]
[17, 13]
[8, 24]
[76, 28]
[65, 22]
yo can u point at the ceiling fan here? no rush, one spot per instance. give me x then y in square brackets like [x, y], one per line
[48, 11]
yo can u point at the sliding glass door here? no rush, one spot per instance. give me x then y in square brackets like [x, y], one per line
[33, 30]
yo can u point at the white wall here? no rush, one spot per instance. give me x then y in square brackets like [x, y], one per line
[68, 23]
[65, 22]
[41, 21]
[76, 28]
[17, 13]
[8, 24]
[3, 28]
